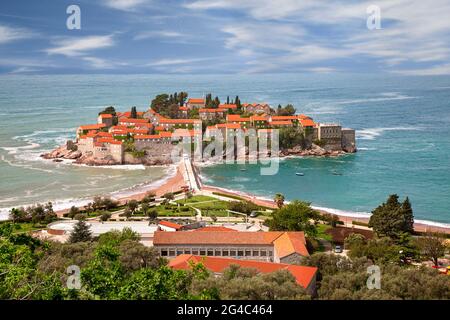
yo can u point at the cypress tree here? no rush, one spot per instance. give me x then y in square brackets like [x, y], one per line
[408, 216]
[133, 114]
[228, 99]
[81, 232]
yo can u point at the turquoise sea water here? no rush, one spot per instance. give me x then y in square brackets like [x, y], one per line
[402, 123]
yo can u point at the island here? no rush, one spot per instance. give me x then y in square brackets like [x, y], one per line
[148, 137]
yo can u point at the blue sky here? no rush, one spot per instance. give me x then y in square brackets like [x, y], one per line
[225, 36]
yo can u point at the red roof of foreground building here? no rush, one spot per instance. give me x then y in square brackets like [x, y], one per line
[169, 224]
[285, 243]
[303, 275]
[232, 125]
[108, 140]
[215, 228]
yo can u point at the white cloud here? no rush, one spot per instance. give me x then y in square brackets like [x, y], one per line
[8, 34]
[158, 34]
[99, 63]
[169, 62]
[71, 47]
[24, 70]
[321, 70]
[438, 70]
[125, 5]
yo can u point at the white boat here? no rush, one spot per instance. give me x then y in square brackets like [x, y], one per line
[299, 174]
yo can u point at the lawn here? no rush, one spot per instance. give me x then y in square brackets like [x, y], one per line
[25, 227]
[321, 232]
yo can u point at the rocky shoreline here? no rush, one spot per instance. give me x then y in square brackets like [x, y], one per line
[63, 153]
[314, 151]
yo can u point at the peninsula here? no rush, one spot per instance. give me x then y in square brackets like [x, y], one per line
[147, 137]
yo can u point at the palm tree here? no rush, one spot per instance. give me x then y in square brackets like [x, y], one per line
[279, 200]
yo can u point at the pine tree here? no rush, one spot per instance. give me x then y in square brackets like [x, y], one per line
[81, 232]
[408, 216]
[228, 99]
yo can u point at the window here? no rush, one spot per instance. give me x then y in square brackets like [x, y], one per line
[179, 252]
[270, 253]
[225, 253]
[187, 251]
[210, 253]
[233, 253]
[248, 253]
[164, 253]
[217, 253]
[263, 253]
[255, 253]
[171, 253]
[202, 252]
[240, 253]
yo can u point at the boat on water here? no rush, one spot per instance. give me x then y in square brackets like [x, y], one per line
[299, 174]
[243, 169]
[335, 173]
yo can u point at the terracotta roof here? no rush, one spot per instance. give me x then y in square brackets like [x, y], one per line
[104, 134]
[307, 123]
[227, 106]
[215, 228]
[183, 109]
[196, 100]
[160, 128]
[108, 140]
[285, 243]
[143, 125]
[137, 131]
[303, 275]
[284, 117]
[237, 118]
[105, 115]
[169, 224]
[93, 126]
[302, 116]
[232, 125]
[127, 114]
[258, 118]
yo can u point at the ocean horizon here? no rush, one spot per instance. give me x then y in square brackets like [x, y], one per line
[402, 127]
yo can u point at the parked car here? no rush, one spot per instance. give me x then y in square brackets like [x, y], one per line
[338, 249]
[254, 214]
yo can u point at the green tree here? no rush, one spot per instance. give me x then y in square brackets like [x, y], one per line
[81, 232]
[132, 205]
[152, 214]
[295, 216]
[392, 218]
[73, 211]
[169, 196]
[432, 246]
[279, 200]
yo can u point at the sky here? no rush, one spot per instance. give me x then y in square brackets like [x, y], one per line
[225, 36]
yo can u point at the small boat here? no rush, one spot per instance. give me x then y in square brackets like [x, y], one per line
[335, 173]
[299, 174]
[243, 169]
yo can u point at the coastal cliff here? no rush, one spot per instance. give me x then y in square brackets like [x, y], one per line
[315, 151]
[63, 153]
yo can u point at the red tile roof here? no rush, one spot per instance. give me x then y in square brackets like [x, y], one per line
[108, 140]
[169, 224]
[96, 126]
[284, 117]
[285, 243]
[211, 110]
[258, 118]
[227, 106]
[183, 109]
[303, 275]
[232, 125]
[106, 115]
[307, 123]
[196, 101]
[193, 121]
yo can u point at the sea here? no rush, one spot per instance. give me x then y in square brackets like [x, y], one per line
[402, 127]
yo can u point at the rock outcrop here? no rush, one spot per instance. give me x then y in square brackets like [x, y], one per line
[315, 151]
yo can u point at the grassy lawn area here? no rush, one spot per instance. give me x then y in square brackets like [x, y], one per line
[174, 211]
[195, 199]
[25, 227]
[321, 232]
